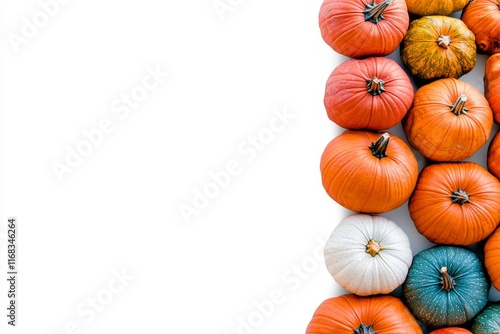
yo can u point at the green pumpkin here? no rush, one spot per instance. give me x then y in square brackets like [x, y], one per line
[446, 286]
[488, 321]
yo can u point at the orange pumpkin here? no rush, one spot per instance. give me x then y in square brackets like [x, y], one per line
[483, 19]
[348, 314]
[374, 93]
[451, 330]
[493, 157]
[432, 7]
[455, 203]
[449, 120]
[368, 172]
[360, 28]
[492, 84]
[492, 258]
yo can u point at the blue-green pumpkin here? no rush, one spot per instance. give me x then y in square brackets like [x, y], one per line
[446, 286]
[488, 321]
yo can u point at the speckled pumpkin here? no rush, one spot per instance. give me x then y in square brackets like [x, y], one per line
[438, 47]
[433, 7]
[488, 321]
[446, 286]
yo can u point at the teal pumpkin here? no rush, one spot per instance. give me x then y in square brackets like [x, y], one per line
[446, 286]
[488, 321]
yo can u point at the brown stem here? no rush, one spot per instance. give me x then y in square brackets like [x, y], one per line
[375, 86]
[460, 196]
[444, 41]
[447, 282]
[380, 146]
[373, 248]
[363, 329]
[374, 12]
[458, 108]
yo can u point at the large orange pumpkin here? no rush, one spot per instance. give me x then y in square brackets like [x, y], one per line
[492, 84]
[373, 93]
[492, 258]
[438, 47]
[449, 120]
[368, 172]
[493, 157]
[455, 203]
[360, 28]
[348, 314]
[483, 19]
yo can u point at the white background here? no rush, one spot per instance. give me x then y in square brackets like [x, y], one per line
[119, 209]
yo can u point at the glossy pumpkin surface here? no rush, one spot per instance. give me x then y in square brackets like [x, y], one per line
[374, 93]
[368, 255]
[449, 120]
[451, 330]
[492, 258]
[492, 84]
[438, 47]
[431, 7]
[493, 157]
[361, 28]
[488, 321]
[455, 203]
[483, 19]
[368, 172]
[348, 314]
[446, 286]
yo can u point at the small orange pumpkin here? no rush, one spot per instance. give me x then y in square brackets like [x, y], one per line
[483, 19]
[492, 258]
[455, 203]
[368, 172]
[449, 120]
[492, 84]
[360, 28]
[373, 93]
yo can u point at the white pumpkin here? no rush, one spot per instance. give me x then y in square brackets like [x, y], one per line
[368, 255]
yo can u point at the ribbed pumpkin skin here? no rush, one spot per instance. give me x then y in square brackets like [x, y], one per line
[423, 56]
[437, 132]
[488, 321]
[451, 330]
[493, 157]
[349, 100]
[492, 84]
[443, 222]
[344, 314]
[431, 7]
[423, 288]
[482, 17]
[344, 28]
[361, 182]
[349, 261]
[492, 258]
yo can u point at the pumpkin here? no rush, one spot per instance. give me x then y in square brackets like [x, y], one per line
[455, 203]
[374, 93]
[482, 17]
[492, 258]
[431, 7]
[488, 321]
[438, 47]
[368, 255]
[492, 84]
[449, 120]
[445, 286]
[451, 330]
[348, 314]
[368, 172]
[493, 156]
[360, 28]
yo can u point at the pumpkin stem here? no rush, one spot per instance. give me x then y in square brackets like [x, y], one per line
[375, 86]
[458, 108]
[374, 12]
[363, 329]
[460, 196]
[443, 41]
[380, 146]
[373, 247]
[448, 283]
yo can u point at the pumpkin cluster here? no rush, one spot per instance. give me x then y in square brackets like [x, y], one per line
[451, 198]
